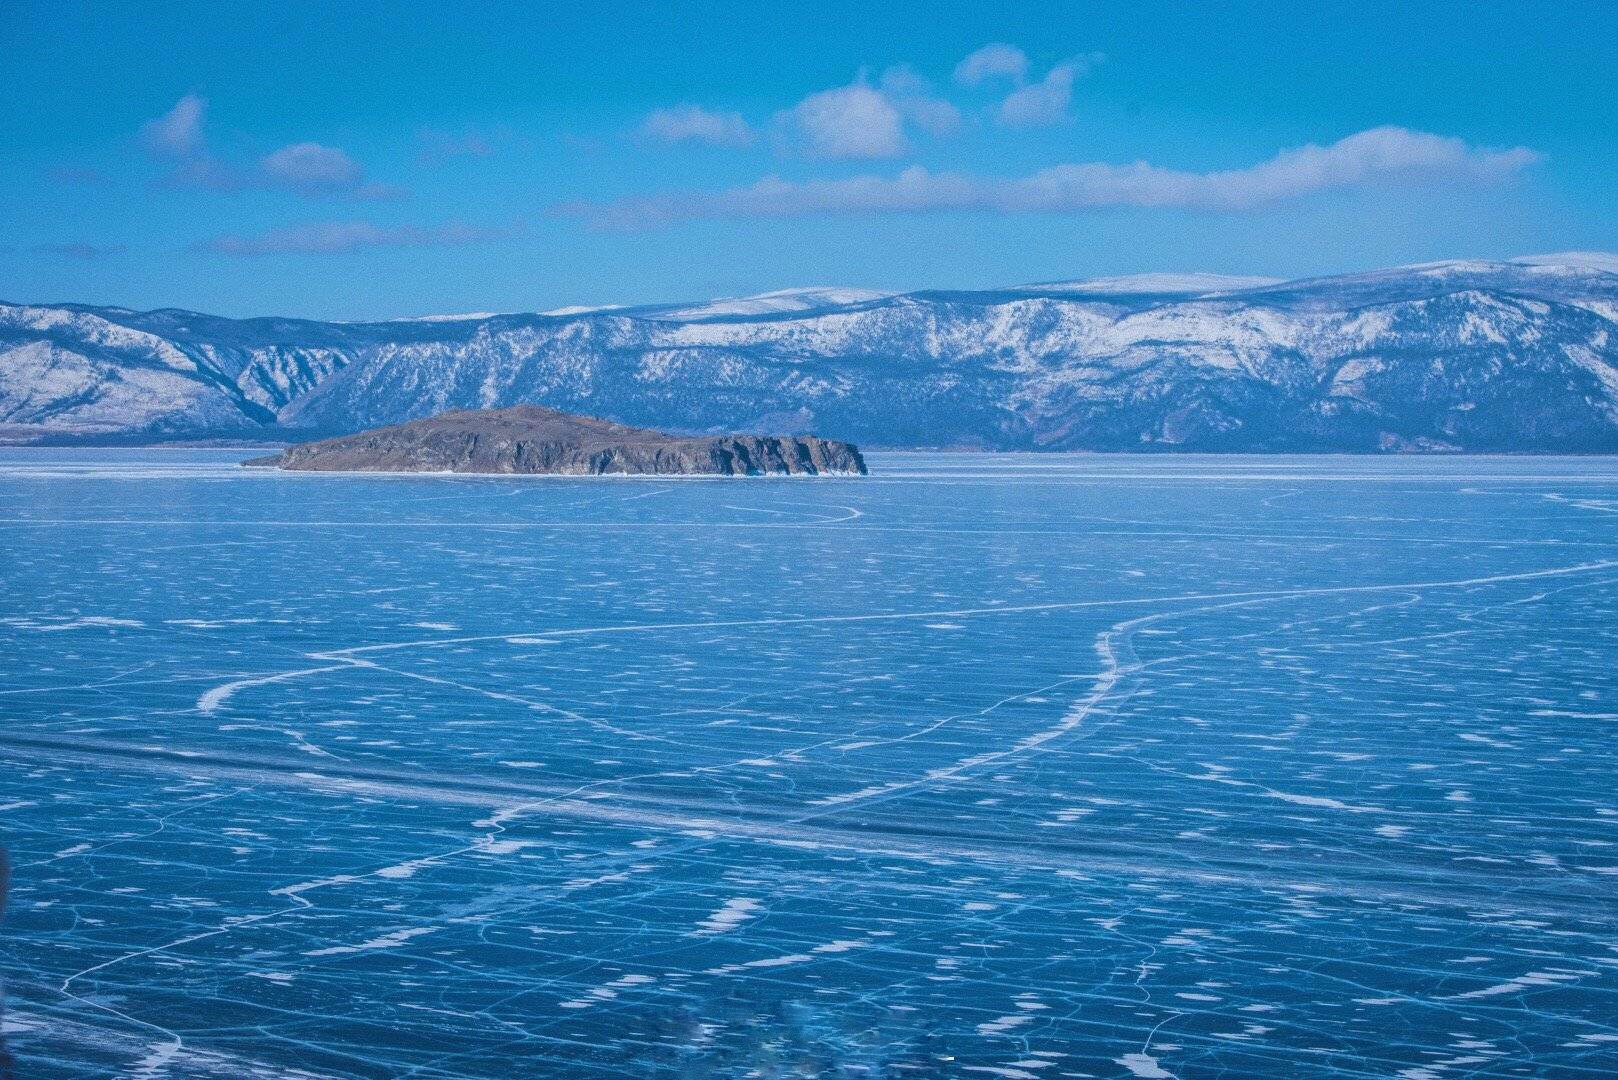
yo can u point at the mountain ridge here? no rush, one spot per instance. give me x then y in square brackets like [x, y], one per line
[1518, 355]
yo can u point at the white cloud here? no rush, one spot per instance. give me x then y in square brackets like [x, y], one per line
[177, 139]
[1045, 102]
[311, 168]
[1378, 155]
[308, 168]
[855, 121]
[178, 132]
[913, 96]
[335, 237]
[994, 61]
[693, 123]
[858, 121]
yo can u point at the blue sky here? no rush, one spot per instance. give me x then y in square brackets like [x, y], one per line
[358, 160]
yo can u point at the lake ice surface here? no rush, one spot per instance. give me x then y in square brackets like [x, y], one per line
[1010, 766]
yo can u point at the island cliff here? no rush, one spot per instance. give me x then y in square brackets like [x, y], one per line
[535, 439]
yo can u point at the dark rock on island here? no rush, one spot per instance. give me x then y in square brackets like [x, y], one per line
[534, 439]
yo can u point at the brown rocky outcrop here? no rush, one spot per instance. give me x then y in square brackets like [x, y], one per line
[535, 439]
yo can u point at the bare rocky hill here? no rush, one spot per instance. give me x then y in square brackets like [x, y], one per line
[534, 439]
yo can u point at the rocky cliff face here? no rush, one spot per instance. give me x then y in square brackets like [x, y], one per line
[533, 439]
[1508, 356]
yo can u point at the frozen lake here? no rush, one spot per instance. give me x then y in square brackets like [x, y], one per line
[1011, 766]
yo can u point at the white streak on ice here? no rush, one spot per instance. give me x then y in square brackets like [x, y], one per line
[730, 915]
[1145, 1066]
[210, 701]
[391, 940]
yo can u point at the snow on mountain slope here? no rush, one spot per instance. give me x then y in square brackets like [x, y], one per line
[581, 309]
[1519, 355]
[770, 303]
[76, 371]
[462, 317]
[1195, 284]
[1578, 260]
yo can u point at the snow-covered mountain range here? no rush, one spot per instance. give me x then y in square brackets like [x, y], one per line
[1510, 356]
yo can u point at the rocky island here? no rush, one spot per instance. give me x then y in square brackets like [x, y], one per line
[535, 439]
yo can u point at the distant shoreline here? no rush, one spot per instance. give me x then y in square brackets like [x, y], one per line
[1152, 452]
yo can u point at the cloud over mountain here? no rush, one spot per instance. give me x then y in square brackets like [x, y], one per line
[1386, 155]
[178, 140]
[854, 121]
[693, 123]
[335, 237]
[996, 60]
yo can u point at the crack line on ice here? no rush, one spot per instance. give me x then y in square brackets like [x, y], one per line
[1000, 609]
